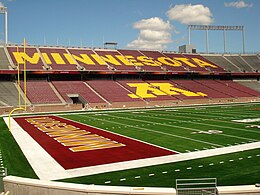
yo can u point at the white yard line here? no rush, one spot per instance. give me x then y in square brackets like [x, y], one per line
[232, 122]
[47, 168]
[119, 134]
[187, 128]
[218, 114]
[232, 112]
[220, 126]
[154, 131]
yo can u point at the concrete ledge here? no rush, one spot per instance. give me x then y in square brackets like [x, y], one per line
[232, 190]
[25, 186]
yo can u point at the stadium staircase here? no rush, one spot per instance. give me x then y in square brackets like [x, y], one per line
[40, 92]
[239, 63]
[215, 87]
[130, 92]
[240, 88]
[45, 66]
[9, 93]
[4, 62]
[57, 93]
[252, 84]
[223, 62]
[253, 61]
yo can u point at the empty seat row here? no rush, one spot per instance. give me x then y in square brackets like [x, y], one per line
[235, 62]
[81, 59]
[85, 59]
[109, 91]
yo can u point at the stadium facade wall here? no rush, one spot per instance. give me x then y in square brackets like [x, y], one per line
[25, 186]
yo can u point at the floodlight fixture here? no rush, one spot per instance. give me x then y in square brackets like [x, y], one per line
[3, 10]
[224, 28]
[110, 45]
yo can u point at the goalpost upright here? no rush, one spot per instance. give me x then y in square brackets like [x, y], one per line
[19, 91]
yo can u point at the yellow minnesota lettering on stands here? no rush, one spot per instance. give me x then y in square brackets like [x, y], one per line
[153, 90]
[76, 139]
[115, 60]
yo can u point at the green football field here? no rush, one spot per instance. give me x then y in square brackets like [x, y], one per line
[182, 129]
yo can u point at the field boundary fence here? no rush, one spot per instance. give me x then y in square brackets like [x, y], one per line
[200, 186]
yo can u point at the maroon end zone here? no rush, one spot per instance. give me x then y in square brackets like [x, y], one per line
[130, 150]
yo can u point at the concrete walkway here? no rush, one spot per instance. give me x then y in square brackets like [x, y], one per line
[47, 168]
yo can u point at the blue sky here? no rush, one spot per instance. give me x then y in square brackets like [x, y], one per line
[135, 24]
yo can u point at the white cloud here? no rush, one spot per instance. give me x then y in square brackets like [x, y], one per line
[155, 34]
[238, 4]
[155, 23]
[191, 14]
[1, 4]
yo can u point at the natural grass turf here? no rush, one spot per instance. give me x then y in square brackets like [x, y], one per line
[13, 158]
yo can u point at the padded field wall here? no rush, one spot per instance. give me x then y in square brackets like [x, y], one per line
[24, 186]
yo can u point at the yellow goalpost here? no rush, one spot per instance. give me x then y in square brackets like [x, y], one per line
[18, 83]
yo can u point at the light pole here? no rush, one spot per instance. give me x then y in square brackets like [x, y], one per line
[224, 28]
[3, 10]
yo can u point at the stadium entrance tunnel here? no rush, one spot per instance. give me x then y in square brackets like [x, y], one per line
[77, 99]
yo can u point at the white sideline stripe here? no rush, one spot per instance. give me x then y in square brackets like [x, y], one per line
[152, 108]
[47, 168]
[42, 163]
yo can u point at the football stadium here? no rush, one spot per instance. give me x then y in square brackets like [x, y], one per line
[85, 120]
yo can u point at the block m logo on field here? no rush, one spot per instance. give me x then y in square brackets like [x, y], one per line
[153, 90]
